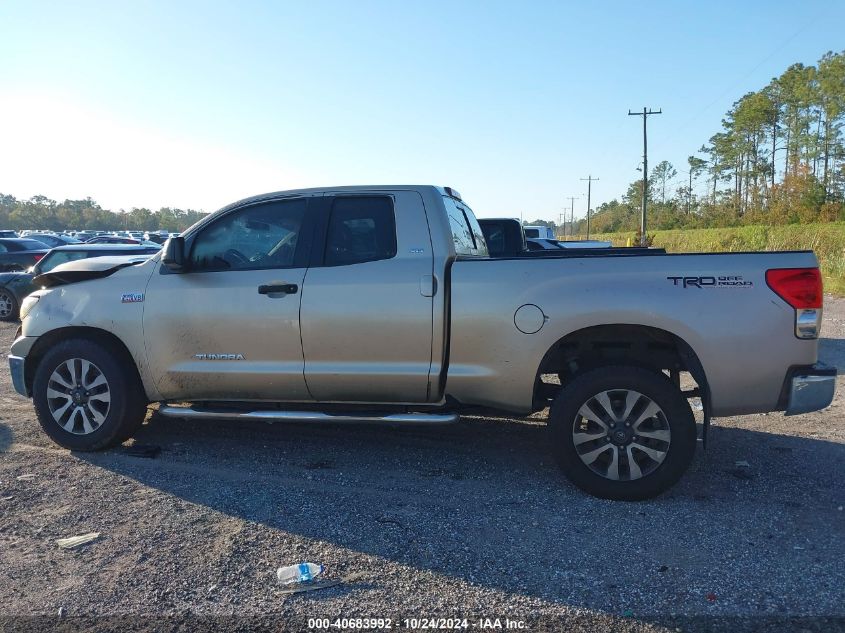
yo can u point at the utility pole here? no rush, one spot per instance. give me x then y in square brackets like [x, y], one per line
[572, 200]
[589, 180]
[644, 114]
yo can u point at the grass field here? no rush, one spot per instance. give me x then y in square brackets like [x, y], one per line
[827, 240]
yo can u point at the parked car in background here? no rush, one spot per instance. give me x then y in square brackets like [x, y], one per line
[543, 232]
[52, 240]
[14, 286]
[541, 244]
[20, 253]
[6, 233]
[112, 239]
[506, 238]
[585, 244]
[158, 238]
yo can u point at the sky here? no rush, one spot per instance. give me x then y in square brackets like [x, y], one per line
[198, 104]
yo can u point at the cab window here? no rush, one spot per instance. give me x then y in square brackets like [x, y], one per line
[466, 232]
[257, 237]
[361, 229]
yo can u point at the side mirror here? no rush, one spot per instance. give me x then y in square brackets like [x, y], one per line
[173, 256]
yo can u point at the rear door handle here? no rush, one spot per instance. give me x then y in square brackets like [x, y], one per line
[278, 289]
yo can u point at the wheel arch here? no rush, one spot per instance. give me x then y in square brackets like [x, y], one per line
[104, 337]
[622, 343]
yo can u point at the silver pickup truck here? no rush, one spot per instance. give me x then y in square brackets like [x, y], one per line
[381, 304]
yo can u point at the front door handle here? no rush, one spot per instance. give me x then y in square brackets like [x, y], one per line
[278, 289]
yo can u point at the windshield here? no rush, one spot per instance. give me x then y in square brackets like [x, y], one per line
[55, 258]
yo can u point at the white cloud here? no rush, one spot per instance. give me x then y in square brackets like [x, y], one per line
[64, 150]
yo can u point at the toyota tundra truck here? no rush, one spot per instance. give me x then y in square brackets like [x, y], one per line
[382, 304]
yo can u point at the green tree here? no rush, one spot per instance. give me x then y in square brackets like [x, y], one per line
[662, 173]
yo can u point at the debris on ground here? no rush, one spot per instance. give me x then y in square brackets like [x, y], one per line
[711, 597]
[26, 477]
[741, 470]
[149, 451]
[321, 584]
[76, 541]
[13, 496]
[313, 585]
[304, 572]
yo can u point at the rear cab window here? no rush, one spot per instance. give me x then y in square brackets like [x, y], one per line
[466, 232]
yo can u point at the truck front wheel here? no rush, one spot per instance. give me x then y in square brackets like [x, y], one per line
[622, 432]
[85, 398]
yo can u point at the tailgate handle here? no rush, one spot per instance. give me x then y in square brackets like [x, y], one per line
[281, 289]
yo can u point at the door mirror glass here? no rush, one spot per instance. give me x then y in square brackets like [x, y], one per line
[173, 256]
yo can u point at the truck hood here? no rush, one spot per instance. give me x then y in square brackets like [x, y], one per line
[85, 269]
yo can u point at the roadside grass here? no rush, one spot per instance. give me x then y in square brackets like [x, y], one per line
[826, 240]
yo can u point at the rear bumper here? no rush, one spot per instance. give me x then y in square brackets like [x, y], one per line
[16, 368]
[810, 388]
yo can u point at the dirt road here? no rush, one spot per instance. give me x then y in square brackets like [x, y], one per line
[469, 521]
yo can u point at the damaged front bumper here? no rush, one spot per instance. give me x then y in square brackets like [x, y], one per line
[16, 368]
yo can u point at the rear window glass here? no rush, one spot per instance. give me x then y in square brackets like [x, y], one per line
[532, 233]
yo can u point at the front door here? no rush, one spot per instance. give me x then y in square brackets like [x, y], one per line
[228, 329]
[367, 302]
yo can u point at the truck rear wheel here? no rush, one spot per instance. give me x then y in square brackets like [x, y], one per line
[85, 398]
[622, 432]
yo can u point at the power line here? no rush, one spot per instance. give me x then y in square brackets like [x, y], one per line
[644, 114]
[589, 180]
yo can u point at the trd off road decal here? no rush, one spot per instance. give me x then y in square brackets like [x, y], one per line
[724, 281]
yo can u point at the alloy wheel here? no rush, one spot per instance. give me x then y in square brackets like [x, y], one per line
[621, 434]
[78, 396]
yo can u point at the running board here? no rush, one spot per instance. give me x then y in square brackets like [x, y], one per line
[190, 413]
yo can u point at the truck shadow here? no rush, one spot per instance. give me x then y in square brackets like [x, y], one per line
[6, 438]
[483, 503]
[832, 352]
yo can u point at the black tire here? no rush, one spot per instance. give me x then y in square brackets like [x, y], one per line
[675, 416]
[9, 307]
[127, 404]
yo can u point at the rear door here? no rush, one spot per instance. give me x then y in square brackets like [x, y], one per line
[367, 300]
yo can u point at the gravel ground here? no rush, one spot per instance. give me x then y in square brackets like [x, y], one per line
[468, 521]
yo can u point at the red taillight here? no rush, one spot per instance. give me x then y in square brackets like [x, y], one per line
[799, 287]
[38, 256]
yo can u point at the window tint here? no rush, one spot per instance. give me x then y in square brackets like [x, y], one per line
[361, 229]
[257, 237]
[532, 233]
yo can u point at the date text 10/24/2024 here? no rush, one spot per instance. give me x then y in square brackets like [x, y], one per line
[417, 624]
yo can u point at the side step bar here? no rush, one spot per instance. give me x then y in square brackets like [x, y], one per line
[191, 413]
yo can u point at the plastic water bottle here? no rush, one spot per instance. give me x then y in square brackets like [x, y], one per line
[298, 573]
